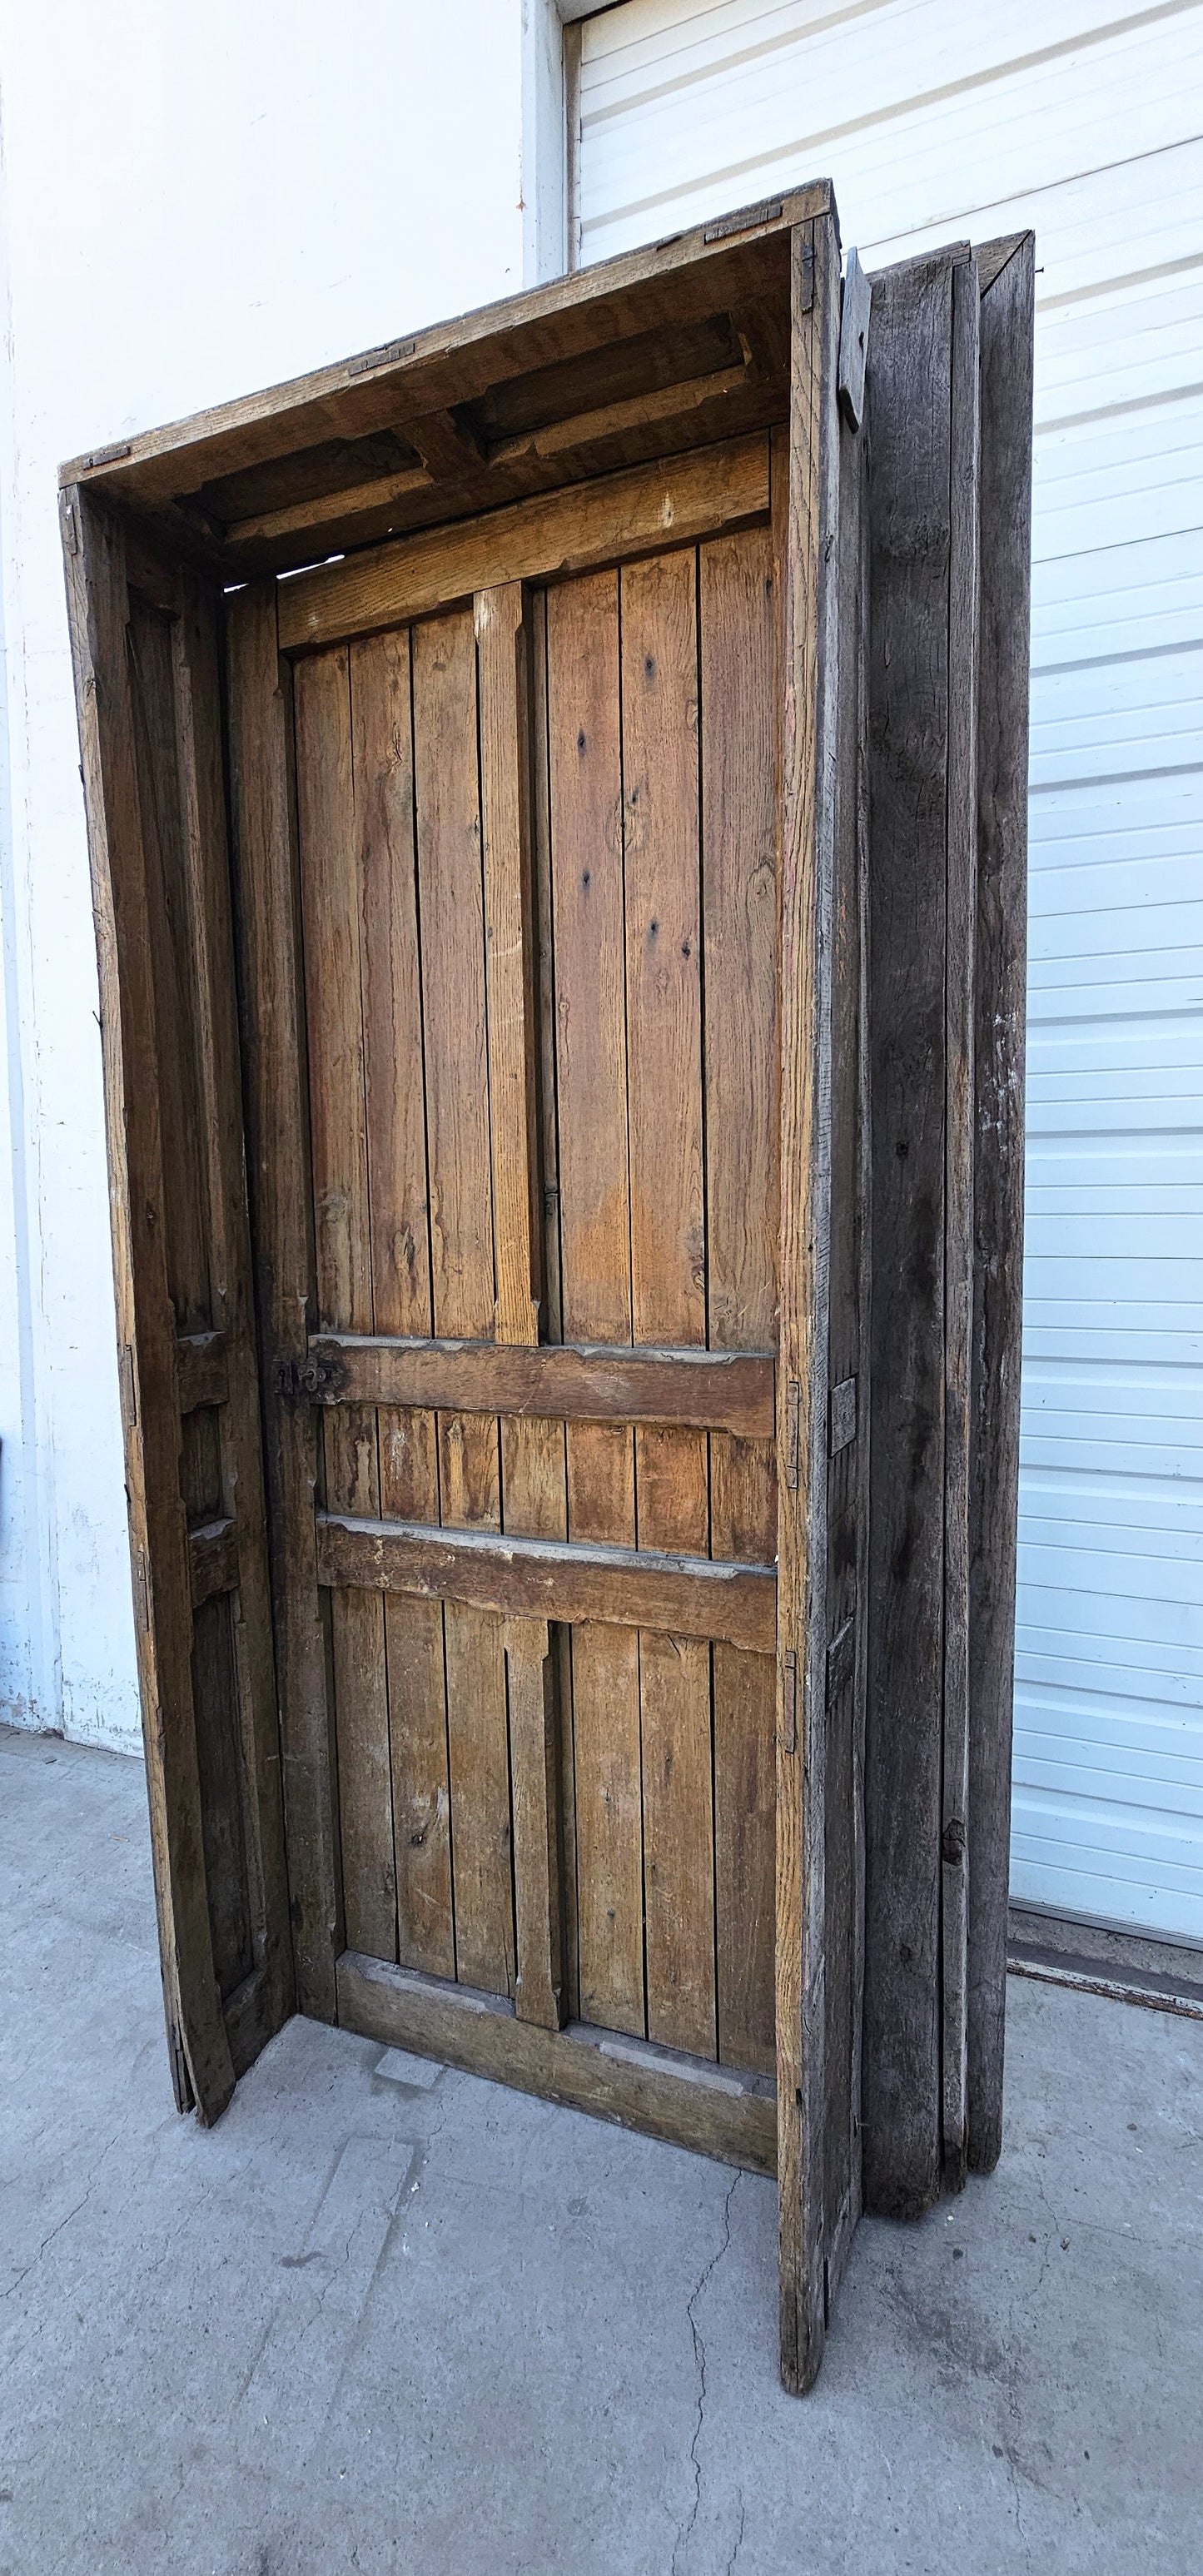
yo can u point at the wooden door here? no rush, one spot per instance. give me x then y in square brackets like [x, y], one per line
[535, 854]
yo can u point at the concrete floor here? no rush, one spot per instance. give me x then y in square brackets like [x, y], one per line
[389, 2318]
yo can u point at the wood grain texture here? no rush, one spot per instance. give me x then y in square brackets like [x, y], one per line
[847, 1442]
[640, 2087]
[737, 607]
[266, 902]
[1000, 967]
[538, 1904]
[586, 872]
[659, 667]
[398, 1189]
[961, 910]
[202, 1370]
[332, 933]
[501, 656]
[672, 1593]
[562, 532]
[97, 600]
[909, 420]
[557, 1381]
[806, 529]
[451, 904]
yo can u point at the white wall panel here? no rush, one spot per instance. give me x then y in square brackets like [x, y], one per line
[1081, 119]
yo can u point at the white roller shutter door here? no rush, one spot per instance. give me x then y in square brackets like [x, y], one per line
[935, 119]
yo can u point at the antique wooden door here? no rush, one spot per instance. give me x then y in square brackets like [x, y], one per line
[527, 817]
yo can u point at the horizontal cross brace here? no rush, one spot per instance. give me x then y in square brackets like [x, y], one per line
[686, 1596]
[704, 1390]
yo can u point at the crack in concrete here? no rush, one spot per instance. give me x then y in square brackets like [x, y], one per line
[699, 2353]
[34, 2259]
[739, 2537]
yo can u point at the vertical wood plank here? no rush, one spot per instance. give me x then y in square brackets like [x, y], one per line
[203, 810]
[552, 1475]
[737, 613]
[97, 600]
[806, 524]
[451, 904]
[538, 1990]
[909, 420]
[533, 1480]
[509, 953]
[585, 794]
[960, 911]
[847, 1477]
[668, 1262]
[382, 768]
[1001, 955]
[331, 918]
[266, 900]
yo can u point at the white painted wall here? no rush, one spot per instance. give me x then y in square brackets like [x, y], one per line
[194, 203]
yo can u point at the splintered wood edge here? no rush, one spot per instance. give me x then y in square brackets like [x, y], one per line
[713, 2110]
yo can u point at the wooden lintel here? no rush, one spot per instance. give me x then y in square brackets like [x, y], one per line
[686, 1596]
[202, 1365]
[558, 1381]
[711, 2109]
[603, 521]
[212, 1560]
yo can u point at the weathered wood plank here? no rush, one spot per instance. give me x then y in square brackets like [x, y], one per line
[451, 910]
[266, 900]
[693, 2105]
[807, 532]
[658, 607]
[538, 1904]
[394, 1091]
[1000, 969]
[254, 1755]
[677, 1595]
[961, 909]
[708, 1390]
[97, 600]
[562, 532]
[331, 913]
[909, 422]
[501, 658]
[585, 793]
[737, 611]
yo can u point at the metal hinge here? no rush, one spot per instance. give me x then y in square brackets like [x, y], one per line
[307, 1381]
[841, 1418]
[793, 1432]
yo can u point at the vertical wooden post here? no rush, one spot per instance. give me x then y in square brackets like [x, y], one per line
[203, 813]
[806, 520]
[98, 608]
[960, 920]
[1007, 271]
[266, 900]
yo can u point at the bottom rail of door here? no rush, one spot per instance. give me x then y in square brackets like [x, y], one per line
[714, 2110]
